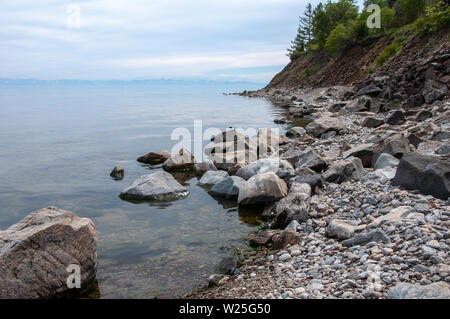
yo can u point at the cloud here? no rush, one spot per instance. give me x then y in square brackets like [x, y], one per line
[140, 38]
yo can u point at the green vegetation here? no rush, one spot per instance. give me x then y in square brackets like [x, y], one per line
[336, 25]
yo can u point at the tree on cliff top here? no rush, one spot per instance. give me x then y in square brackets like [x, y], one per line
[304, 33]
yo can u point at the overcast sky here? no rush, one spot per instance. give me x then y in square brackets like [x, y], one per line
[151, 39]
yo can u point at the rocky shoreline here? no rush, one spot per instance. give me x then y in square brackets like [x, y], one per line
[356, 203]
[368, 207]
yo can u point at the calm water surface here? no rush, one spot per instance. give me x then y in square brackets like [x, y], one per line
[58, 143]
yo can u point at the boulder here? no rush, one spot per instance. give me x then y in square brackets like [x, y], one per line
[296, 131]
[271, 137]
[282, 168]
[287, 237]
[395, 118]
[181, 161]
[324, 124]
[429, 147]
[117, 173]
[415, 140]
[312, 160]
[227, 160]
[210, 178]
[157, 186]
[314, 181]
[342, 170]
[35, 255]
[436, 290]
[428, 174]
[423, 115]
[342, 229]
[336, 107]
[365, 238]
[202, 168]
[364, 152]
[227, 188]
[372, 122]
[264, 238]
[385, 161]
[397, 146]
[226, 147]
[228, 265]
[396, 215]
[228, 135]
[154, 158]
[294, 206]
[262, 189]
[371, 90]
[432, 95]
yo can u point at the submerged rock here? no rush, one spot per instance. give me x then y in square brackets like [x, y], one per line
[157, 186]
[210, 178]
[36, 252]
[202, 168]
[117, 173]
[154, 158]
[182, 161]
[228, 188]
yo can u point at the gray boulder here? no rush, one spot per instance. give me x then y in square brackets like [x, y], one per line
[342, 170]
[262, 189]
[36, 252]
[117, 173]
[202, 168]
[371, 90]
[154, 158]
[364, 152]
[296, 131]
[395, 118]
[397, 146]
[436, 290]
[282, 168]
[312, 160]
[372, 122]
[428, 174]
[157, 186]
[181, 161]
[342, 229]
[294, 207]
[313, 181]
[324, 124]
[227, 188]
[385, 161]
[210, 178]
[365, 238]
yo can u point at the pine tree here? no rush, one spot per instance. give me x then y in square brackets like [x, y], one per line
[304, 32]
[306, 24]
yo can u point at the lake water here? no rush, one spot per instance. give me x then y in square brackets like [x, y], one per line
[59, 142]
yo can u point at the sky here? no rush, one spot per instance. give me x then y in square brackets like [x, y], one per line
[231, 40]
